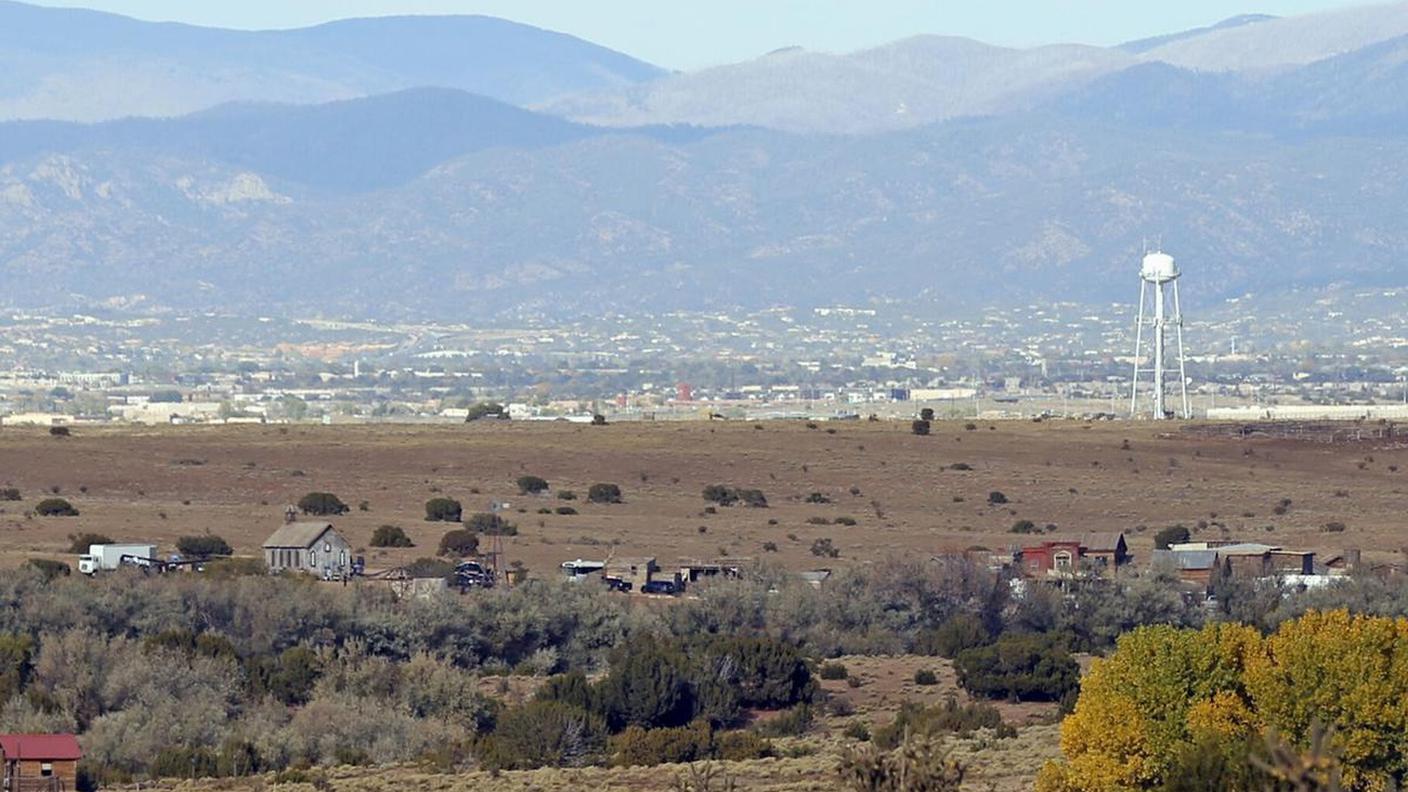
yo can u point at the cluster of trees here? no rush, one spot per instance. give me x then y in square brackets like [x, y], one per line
[1171, 704]
[243, 673]
[667, 699]
[248, 674]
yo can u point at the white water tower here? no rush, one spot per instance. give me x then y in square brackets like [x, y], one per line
[1159, 276]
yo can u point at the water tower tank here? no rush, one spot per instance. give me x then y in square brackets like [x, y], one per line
[1158, 268]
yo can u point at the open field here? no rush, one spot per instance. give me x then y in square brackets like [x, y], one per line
[161, 483]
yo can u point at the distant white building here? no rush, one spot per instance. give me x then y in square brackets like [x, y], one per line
[1310, 412]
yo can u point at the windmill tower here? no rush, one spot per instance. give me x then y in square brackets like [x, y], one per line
[1158, 277]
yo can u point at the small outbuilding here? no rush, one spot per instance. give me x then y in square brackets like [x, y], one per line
[310, 547]
[40, 762]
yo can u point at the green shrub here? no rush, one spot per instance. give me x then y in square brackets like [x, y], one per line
[430, 568]
[543, 734]
[49, 568]
[532, 485]
[570, 688]
[825, 548]
[491, 525]
[1172, 535]
[391, 536]
[443, 510]
[846, 521]
[833, 671]
[925, 676]
[996, 498]
[322, 504]
[648, 747]
[946, 717]
[566, 495]
[920, 427]
[920, 764]
[1021, 667]
[459, 543]
[1024, 527]
[794, 722]
[228, 568]
[728, 496]
[857, 730]
[9, 494]
[769, 673]
[648, 686]
[604, 493]
[55, 507]
[953, 635]
[79, 543]
[288, 676]
[204, 546]
[741, 746]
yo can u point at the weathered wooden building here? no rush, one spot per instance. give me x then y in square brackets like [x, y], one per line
[40, 762]
[311, 547]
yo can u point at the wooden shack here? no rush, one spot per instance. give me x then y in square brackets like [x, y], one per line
[40, 762]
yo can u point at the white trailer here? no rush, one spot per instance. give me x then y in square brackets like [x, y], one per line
[107, 557]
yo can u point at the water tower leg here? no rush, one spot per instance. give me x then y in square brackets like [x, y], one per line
[1138, 342]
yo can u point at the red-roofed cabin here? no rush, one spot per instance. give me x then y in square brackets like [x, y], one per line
[40, 762]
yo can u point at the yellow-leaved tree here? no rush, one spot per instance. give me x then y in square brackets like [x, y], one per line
[1165, 693]
[1349, 673]
[1141, 705]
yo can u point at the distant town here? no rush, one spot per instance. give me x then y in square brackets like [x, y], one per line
[1247, 359]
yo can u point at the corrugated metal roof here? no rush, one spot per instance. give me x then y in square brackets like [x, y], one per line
[1186, 560]
[1246, 548]
[297, 534]
[40, 747]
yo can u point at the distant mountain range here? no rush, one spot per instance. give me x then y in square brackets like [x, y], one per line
[74, 64]
[1267, 153]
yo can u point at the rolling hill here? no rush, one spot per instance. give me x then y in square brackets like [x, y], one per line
[73, 64]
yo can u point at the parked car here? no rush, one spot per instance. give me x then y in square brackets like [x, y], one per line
[660, 587]
[617, 584]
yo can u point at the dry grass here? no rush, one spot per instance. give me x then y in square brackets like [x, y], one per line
[1077, 476]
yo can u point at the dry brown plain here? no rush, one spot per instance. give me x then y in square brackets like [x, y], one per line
[161, 483]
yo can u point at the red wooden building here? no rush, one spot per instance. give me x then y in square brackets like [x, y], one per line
[40, 762]
[1092, 555]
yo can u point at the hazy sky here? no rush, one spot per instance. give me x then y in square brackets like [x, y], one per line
[685, 34]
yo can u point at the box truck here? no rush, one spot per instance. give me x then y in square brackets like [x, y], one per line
[107, 557]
